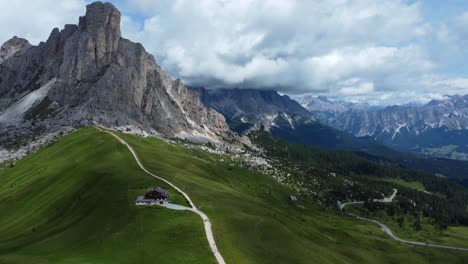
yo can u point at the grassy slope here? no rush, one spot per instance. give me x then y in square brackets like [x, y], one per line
[452, 236]
[412, 185]
[73, 202]
[449, 151]
[254, 222]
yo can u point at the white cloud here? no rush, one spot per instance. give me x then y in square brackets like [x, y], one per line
[387, 47]
[422, 90]
[35, 19]
[371, 61]
[447, 85]
[452, 34]
[293, 46]
[356, 86]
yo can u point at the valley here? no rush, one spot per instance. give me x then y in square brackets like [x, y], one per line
[248, 110]
[437, 128]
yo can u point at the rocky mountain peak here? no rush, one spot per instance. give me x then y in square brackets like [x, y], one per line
[100, 16]
[324, 99]
[249, 108]
[12, 46]
[88, 74]
[102, 23]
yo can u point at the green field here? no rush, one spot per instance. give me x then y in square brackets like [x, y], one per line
[254, 222]
[449, 151]
[72, 202]
[452, 236]
[412, 185]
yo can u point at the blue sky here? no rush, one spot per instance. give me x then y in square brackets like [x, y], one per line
[377, 51]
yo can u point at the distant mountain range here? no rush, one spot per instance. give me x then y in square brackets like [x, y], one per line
[325, 109]
[438, 128]
[248, 108]
[88, 74]
[273, 175]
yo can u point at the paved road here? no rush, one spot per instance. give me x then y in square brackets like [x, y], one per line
[206, 220]
[389, 232]
[389, 200]
[176, 207]
[384, 200]
[346, 204]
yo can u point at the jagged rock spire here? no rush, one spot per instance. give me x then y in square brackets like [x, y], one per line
[102, 78]
[10, 47]
[102, 22]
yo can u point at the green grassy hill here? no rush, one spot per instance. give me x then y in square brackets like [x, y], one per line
[254, 222]
[73, 202]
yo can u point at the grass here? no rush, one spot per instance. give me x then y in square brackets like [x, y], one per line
[452, 236]
[412, 185]
[449, 151]
[445, 150]
[5, 165]
[254, 222]
[73, 202]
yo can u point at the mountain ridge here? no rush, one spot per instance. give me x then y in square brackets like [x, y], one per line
[421, 128]
[248, 108]
[325, 109]
[13, 46]
[96, 77]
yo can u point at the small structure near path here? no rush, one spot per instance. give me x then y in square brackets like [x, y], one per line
[154, 196]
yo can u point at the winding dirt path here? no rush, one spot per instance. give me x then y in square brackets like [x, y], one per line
[193, 208]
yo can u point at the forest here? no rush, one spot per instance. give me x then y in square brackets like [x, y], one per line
[355, 178]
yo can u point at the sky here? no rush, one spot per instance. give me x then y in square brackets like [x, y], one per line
[375, 51]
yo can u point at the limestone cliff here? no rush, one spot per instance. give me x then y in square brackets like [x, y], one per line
[94, 76]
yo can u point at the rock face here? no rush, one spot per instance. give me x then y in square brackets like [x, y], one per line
[246, 108]
[12, 46]
[426, 128]
[325, 109]
[451, 113]
[101, 78]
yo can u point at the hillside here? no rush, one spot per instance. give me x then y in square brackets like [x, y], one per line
[73, 202]
[332, 177]
[85, 185]
[237, 199]
[322, 136]
[246, 110]
[176, 132]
